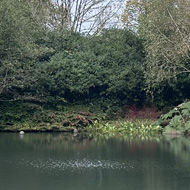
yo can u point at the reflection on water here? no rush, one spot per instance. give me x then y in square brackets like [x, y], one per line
[63, 161]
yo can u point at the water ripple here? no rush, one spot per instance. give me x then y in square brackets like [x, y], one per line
[78, 164]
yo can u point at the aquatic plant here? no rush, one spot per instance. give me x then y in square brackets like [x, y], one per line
[128, 127]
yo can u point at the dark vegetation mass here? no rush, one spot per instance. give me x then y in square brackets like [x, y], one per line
[52, 76]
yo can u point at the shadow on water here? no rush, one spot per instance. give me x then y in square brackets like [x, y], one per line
[64, 161]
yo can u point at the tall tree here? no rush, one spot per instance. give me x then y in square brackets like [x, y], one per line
[165, 25]
[17, 47]
[16, 30]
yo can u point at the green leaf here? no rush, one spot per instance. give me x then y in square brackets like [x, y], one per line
[186, 106]
[170, 114]
[171, 130]
[176, 121]
[187, 125]
[185, 112]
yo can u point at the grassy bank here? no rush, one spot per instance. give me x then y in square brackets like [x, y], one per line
[91, 118]
[126, 127]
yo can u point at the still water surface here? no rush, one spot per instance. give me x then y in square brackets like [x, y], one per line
[64, 162]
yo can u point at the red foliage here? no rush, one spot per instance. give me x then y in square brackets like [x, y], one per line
[85, 113]
[145, 113]
[78, 117]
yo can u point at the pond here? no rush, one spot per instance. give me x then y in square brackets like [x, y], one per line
[57, 161]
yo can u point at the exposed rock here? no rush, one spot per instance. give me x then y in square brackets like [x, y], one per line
[21, 132]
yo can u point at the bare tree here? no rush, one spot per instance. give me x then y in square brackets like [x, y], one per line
[89, 16]
[133, 10]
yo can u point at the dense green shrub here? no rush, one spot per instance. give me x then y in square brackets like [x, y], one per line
[109, 65]
[167, 95]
